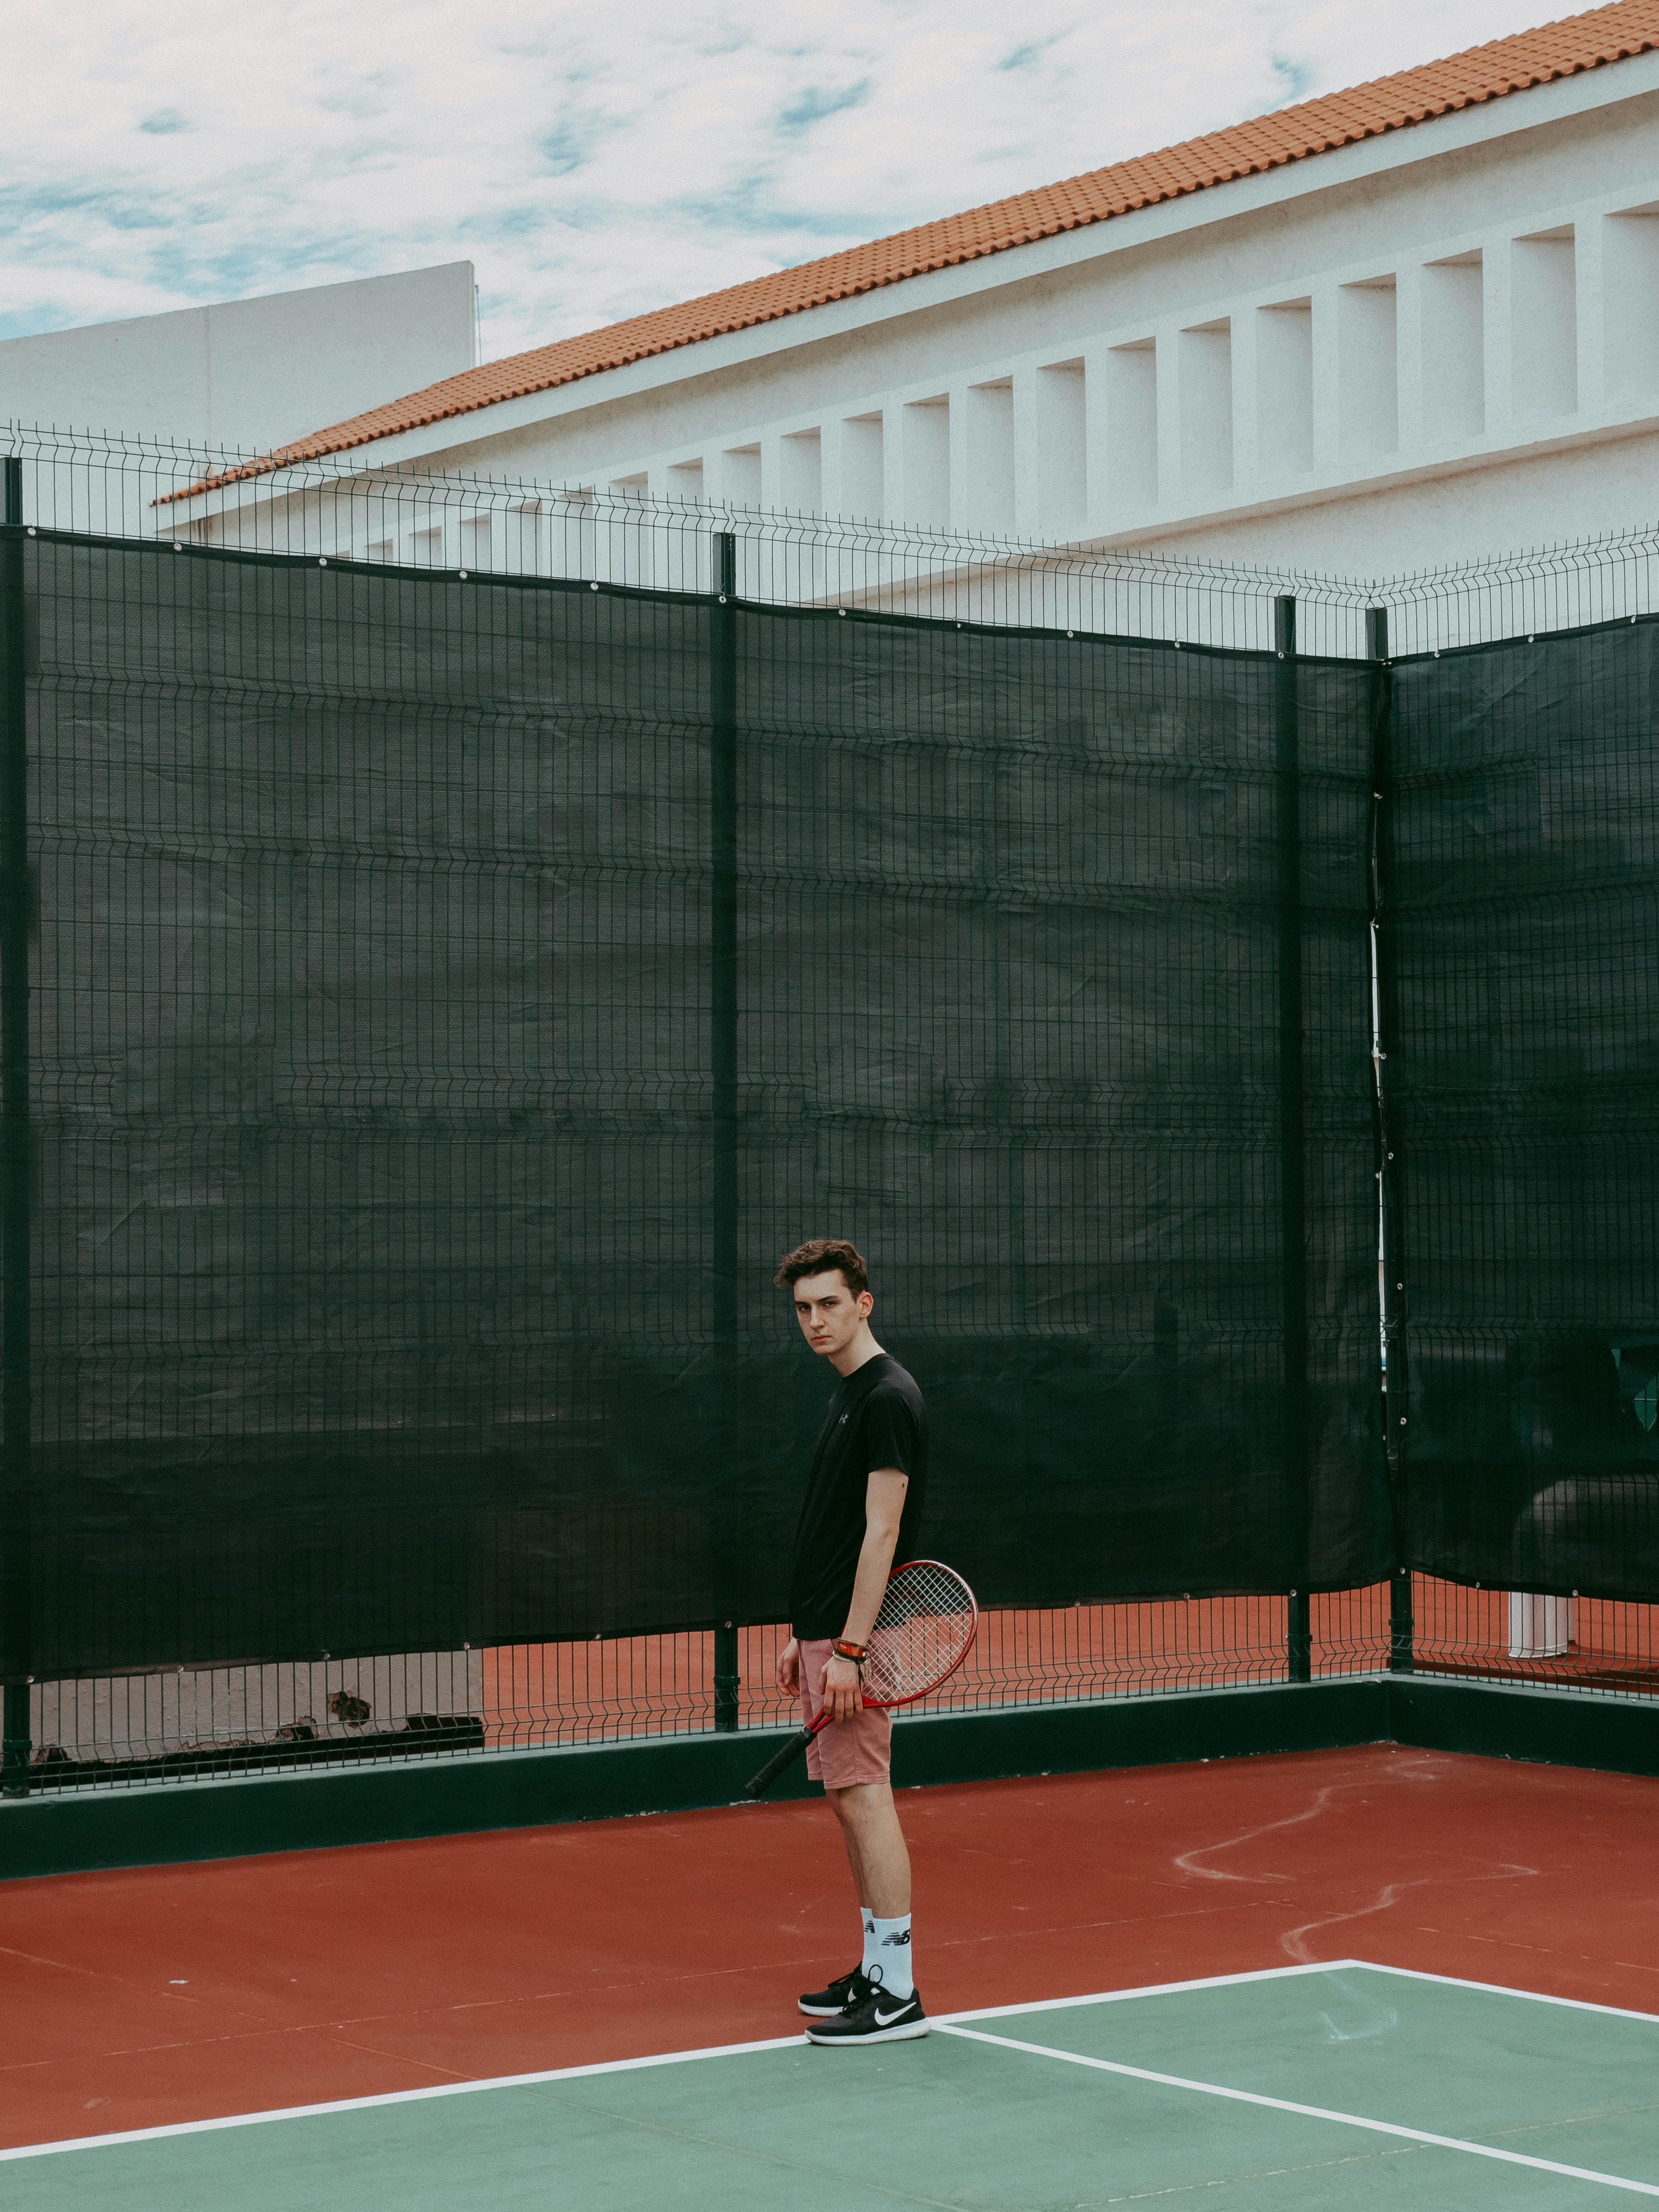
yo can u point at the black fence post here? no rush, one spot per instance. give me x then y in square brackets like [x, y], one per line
[723, 941]
[1391, 1279]
[723, 1022]
[727, 1679]
[16, 1424]
[1292, 1137]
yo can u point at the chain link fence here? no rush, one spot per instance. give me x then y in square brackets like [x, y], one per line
[288, 841]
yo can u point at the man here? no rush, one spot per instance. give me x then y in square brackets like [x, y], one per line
[863, 1503]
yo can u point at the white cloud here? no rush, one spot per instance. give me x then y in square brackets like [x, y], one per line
[596, 161]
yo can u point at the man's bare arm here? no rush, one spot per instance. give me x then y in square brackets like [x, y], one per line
[884, 1508]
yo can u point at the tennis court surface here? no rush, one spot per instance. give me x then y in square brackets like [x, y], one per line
[1315, 2086]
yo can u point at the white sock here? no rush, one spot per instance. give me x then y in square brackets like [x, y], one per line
[889, 1941]
[868, 1918]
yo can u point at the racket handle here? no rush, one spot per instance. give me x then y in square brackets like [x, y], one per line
[761, 1783]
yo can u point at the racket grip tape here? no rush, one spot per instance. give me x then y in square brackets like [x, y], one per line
[760, 1784]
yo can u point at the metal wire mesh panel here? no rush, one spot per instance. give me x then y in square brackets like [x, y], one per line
[350, 507]
[1012, 996]
[473, 927]
[182, 1724]
[450, 993]
[1522, 914]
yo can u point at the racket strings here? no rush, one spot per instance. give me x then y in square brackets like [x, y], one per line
[925, 1624]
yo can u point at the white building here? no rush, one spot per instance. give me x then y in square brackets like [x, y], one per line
[250, 373]
[1406, 323]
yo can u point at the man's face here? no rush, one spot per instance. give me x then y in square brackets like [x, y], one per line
[829, 1314]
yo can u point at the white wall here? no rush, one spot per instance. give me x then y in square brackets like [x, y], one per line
[251, 373]
[1374, 359]
[1515, 505]
[193, 1708]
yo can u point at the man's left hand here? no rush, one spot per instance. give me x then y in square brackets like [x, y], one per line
[842, 1688]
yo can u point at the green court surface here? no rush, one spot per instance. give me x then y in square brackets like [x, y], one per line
[1323, 2086]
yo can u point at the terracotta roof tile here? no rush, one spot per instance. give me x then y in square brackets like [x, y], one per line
[1267, 141]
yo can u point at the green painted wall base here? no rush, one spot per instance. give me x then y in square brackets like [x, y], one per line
[1500, 1720]
[157, 1823]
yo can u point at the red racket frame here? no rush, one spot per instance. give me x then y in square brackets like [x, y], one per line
[892, 1704]
[820, 1720]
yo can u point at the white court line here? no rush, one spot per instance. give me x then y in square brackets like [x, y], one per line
[1153, 1990]
[1306, 2112]
[771, 2043]
[797, 2042]
[1494, 1988]
[403, 2097]
[1314, 1967]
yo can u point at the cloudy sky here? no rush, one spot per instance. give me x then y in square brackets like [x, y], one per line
[597, 157]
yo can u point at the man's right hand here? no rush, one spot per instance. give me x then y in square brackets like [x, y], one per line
[789, 1669]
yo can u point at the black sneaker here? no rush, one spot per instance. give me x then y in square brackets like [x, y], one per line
[876, 2016]
[845, 1989]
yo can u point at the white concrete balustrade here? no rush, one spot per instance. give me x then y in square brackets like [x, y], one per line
[1483, 349]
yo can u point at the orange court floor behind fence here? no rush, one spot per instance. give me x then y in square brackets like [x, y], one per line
[177, 1724]
[611, 1688]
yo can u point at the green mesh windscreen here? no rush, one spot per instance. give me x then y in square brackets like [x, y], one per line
[1523, 955]
[452, 997]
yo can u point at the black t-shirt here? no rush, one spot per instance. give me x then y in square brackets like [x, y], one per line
[876, 1420]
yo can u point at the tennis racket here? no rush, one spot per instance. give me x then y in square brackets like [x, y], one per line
[924, 1630]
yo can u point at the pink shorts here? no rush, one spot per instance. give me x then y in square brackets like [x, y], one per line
[845, 1752]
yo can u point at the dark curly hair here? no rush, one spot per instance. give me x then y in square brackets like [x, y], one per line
[816, 1256]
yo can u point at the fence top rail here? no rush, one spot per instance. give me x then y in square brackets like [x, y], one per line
[197, 480]
[1577, 584]
[345, 505]
[348, 506]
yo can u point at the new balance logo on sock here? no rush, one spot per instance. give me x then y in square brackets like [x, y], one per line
[889, 1942]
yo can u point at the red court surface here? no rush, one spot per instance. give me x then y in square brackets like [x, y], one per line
[176, 1993]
